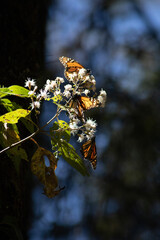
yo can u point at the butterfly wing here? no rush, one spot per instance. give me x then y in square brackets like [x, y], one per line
[88, 102]
[82, 103]
[75, 103]
[89, 152]
[70, 65]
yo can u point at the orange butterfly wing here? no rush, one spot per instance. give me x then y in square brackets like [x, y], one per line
[75, 103]
[87, 102]
[70, 65]
[81, 103]
[89, 152]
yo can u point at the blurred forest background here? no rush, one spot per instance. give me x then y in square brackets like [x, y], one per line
[120, 42]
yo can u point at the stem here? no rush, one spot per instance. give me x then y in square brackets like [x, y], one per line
[30, 136]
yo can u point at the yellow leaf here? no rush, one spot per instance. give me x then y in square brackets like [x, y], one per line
[14, 116]
[45, 174]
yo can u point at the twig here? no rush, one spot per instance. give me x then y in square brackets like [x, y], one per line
[30, 136]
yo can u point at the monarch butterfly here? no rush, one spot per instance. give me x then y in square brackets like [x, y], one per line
[82, 103]
[71, 66]
[89, 152]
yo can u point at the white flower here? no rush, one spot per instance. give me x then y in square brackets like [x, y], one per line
[75, 120]
[48, 81]
[35, 104]
[30, 82]
[86, 92]
[73, 127]
[90, 134]
[81, 138]
[43, 94]
[100, 99]
[93, 81]
[53, 84]
[5, 126]
[87, 78]
[31, 93]
[90, 124]
[57, 92]
[77, 93]
[68, 87]
[48, 85]
[82, 72]
[73, 77]
[103, 93]
[67, 94]
[59, 79]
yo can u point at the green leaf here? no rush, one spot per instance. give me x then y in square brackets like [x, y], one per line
[14, 90]
[19, 91]
[4, 92]
[70, 155]
[60, 138]
[8, 104]
[14, 116]
[62, 133]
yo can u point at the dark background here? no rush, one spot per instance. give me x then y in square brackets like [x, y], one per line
[120, 42]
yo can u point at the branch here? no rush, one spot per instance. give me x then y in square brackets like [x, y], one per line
[30, 136]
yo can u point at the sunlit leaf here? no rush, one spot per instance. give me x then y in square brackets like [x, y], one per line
[45, 174]
[14, 90]
[10, 106]
[19, 91]
[14, 116]
[4, 92]
[60, 130]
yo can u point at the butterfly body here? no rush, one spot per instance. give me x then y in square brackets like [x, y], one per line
[89, 152]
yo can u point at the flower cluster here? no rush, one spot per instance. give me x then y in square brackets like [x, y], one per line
[51, 86]
[83, 80]
[75, 97]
